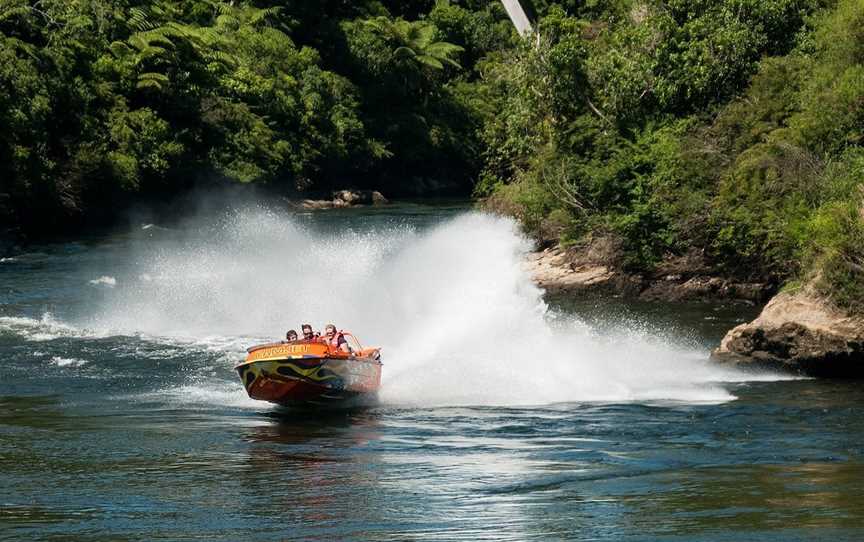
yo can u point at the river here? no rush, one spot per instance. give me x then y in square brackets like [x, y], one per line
[503, 415]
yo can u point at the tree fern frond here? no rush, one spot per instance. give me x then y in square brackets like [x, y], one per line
[209, 36]
[424, 35]
[430, 61]
[404, 52]
[228, 20]
[223, 58]
[444, 49]
[153, 76]
[119, 49]
[452, 62]
[381, 24]
[148, 83]
[27, 48]
[14, 11]
[151, 37]
[174, 29]
[259, 16]
[402, 28]
[150, 52]
[223, 9]
[137, 42]
[140, 21]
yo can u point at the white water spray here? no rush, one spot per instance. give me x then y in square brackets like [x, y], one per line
[459, 320]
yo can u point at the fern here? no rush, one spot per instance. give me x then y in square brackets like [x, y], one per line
[422, 36]
[259, 16]
[223, 58]
[14, 11]
[152, 80]
[120, 49]
[430, 61]
[417, 42]
[153, 76]
[156, 36]
[223, 8]
[26, 48]
[228, 21]
[139, 20]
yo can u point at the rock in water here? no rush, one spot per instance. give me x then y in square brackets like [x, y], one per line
[799, 333]
[347, 198]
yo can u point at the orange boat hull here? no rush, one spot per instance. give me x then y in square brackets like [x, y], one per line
[310, 373]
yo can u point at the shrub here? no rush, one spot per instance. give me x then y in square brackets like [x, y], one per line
[837, 248]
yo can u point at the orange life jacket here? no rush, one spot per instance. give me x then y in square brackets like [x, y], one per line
[335, 341]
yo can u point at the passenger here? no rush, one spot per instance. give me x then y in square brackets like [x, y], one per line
[335, 340]
[291, 335]
[308, 335]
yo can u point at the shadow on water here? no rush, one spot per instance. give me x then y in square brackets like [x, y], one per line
[295, 426]
[46, 412]
[318, 470]
[815, 494]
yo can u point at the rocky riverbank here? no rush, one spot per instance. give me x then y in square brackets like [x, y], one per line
[799, 333]
[593, 271]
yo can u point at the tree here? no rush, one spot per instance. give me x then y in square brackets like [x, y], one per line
[415, 42]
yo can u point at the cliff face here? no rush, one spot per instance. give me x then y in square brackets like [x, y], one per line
[798, 333]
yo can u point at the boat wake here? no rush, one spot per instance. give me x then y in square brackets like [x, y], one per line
[45, 328]
[203, 394]
[458, 318]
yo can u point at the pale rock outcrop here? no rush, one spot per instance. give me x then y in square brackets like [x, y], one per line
[799, 333]
[551, 270]
[595, 270]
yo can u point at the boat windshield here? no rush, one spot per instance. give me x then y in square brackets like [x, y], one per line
[352, 342]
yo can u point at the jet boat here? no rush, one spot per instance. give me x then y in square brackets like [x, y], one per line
[310, 372]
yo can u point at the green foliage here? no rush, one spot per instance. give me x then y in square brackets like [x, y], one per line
[767, 105]
[100, 100]
[530, 201]
[415, 43]
[761, 205]
[733, 129]
[140, 146]
[837, 232]
[836, 87]
[599, 10]
[478, 31]
[682, 56]
[418, 104]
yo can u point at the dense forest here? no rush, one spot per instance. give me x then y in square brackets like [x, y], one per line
[102, 101]
[729, 131]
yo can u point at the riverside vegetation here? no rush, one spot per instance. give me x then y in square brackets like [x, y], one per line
[727, 132]
[106, 102]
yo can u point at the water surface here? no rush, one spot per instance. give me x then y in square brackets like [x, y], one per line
[501, 418]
